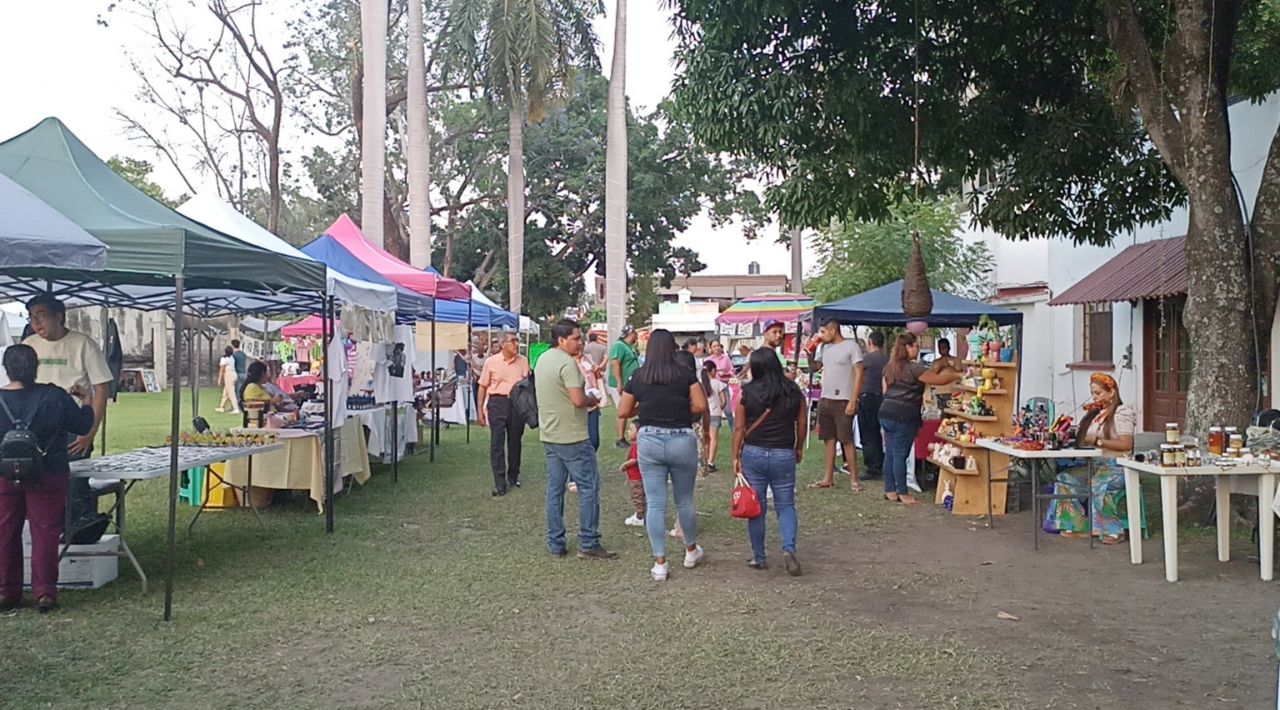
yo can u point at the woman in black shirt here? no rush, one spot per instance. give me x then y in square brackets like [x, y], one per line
[667, 397]
[770, 424]
[49, 413]
[904, 383]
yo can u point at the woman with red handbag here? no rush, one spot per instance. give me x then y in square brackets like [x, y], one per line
[770, 424]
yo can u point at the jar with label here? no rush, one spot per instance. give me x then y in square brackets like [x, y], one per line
[1171, 433]
[1169, 455]
[1217, 440]
[1236, 441]
[1231, 453]
[1193, 458]
[1180, 456]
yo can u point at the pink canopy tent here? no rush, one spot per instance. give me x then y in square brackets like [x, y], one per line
[348, 235]
[307, 326]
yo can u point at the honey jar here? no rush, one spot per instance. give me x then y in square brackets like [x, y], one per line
[1171, 433]
[1217, 440]
[1169, 455]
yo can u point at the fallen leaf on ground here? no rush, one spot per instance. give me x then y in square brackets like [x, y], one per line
[1006, 616]
[984, 563]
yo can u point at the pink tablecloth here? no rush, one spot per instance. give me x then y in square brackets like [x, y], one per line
[288, 384]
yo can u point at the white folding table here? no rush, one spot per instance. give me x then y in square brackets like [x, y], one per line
[1035, 457]
[143, 465]
[1252, 479]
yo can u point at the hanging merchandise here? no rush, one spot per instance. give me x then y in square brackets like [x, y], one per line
[392, 376]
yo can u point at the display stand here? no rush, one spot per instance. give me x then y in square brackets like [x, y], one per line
[991, 473]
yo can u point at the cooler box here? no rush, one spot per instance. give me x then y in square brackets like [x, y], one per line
[80, 572]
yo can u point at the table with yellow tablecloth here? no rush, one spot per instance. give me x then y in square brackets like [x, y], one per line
[300, 464]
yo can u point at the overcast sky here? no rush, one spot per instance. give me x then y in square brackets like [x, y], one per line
[57, 61]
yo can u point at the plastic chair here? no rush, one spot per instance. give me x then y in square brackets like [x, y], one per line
[191, 487]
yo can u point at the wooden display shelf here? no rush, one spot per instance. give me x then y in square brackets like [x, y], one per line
[967, 388]
[972, 417]
[955, 471]
[957, 442]
[994, 365]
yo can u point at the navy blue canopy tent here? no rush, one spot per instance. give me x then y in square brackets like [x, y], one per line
[410, 305]
[481, 313]
[883, 307]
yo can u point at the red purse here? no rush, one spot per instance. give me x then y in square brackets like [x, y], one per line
[744, 504]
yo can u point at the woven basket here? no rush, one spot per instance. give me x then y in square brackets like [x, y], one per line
[917, 299]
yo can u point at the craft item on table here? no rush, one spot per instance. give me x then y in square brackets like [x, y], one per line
[948, 497]
[212, 439]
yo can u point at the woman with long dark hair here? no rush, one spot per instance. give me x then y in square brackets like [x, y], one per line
[770, 424]
[904, 381]
[667, 397]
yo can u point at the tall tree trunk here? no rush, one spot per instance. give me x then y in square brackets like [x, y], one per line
[419, 144]
[373, 148]
[797, 261]
[515, 207]
[615, 180]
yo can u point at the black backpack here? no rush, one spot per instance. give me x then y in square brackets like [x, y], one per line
[21, 455]
[524, 399]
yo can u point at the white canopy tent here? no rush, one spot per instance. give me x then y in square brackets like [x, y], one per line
[210, 210]
[526, 323]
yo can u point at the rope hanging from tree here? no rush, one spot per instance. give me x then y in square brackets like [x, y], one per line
[917, 298]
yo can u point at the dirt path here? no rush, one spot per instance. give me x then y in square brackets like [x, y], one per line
[1094, 631]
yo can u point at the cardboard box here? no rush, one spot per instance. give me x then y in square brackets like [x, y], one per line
[81, 572]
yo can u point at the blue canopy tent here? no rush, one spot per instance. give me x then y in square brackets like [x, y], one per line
[482, 313]
[883, 307]
[410, 305]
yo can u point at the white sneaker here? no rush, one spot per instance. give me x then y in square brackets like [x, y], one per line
[693, 559]
[634, 521]
[659, 572]
[674, 533]
[572, 487]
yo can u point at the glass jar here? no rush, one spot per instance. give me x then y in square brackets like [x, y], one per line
[1180, 456]
[1171, 433]
[1217, 440]
[1236, 441]
[1168, 455]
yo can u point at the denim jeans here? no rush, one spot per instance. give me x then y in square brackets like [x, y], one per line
[668, 453]
[593, 428]
[899, 437]
[764, 468]
[576, 462]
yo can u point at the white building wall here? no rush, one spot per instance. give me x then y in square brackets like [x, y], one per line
[1052, 335]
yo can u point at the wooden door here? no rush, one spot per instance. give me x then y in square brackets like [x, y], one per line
[1167, 363]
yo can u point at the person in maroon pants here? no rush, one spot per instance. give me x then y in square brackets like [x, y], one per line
[49, 413]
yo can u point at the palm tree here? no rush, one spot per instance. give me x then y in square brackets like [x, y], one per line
[524, 54]
[373, 146]
[615, 177]
[419, 172]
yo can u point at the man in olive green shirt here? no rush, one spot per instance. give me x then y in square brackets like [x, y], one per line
[562, 428]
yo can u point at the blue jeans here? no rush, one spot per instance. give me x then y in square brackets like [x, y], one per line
[764, 468]
[668, 453]
[576, 462]
[593, 428]
[899, 437]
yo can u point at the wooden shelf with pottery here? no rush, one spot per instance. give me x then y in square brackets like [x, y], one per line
[973, 417]
[970, 388]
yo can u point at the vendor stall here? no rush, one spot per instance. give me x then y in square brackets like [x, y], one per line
[747, 319]
[149, 246]
[974, 480]
[299, 463]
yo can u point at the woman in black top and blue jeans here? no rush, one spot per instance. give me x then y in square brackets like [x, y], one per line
[52, 413]
[770, 424]
[904, 383]
[667, 397]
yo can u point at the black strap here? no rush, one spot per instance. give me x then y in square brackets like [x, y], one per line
[26, 424]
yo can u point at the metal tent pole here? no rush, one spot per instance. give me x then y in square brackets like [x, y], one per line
[102, 427]
[466, 394]
[174, 426]
[435, 410]
[193, 349]
[330, 464]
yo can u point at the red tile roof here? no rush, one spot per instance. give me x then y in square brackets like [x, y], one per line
[1149, 270]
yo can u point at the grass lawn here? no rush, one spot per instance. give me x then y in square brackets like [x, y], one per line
[432, 593]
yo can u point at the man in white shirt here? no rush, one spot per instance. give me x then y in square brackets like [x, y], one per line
[72, 361]
[841, 383]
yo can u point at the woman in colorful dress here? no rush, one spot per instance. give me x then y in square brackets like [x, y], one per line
[1108, 424]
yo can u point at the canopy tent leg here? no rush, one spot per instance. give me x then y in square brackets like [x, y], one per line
[466, 394]
[326, 338]
[174, 426]
[193, 347]
[395, 441]
[102, 428]
[435, 411]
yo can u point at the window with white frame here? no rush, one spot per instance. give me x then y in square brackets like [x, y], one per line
[1096, 333]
